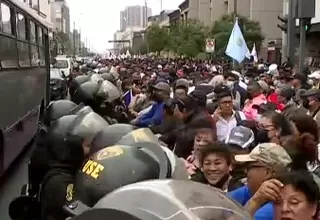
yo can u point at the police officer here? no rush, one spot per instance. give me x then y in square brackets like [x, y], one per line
[69, 142]
[38, 164]
[165, 199]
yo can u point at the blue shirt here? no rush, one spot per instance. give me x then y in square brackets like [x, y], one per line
[242, 195]
[153, 117]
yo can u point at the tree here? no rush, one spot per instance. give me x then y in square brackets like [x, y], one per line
[187, 38]
[222, 29]
[157, 38]
[62, 40]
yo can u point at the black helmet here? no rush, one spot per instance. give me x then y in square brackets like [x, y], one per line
[141, 158]
[108, 91]
[165, 199]
[87, 124]
[57, 109]
[110, 135]
[75, 84]
[86, 93]
[111, 168]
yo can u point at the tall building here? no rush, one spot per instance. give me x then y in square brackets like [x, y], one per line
[134, 16]
[60, 16]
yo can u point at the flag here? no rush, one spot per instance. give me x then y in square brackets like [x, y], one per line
[127, 97]
[254, 53]
[237, 48]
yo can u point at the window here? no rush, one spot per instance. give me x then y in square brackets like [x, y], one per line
[8, 52]
[34, 55]
[5, 19]
[33, 32]
[24, 55]
[42, 56]
[40, 36]
[21, 27]
[61, 64]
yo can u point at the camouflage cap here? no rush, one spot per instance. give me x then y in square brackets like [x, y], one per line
[268, 153]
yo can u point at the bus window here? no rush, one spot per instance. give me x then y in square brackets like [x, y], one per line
[6, 19]
[40, 36]
[42, 56]
[21, 27]
[8, 52]
[33, 32]
[24, 59]
[34, 55]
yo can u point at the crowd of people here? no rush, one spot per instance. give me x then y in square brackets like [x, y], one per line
[252, 132]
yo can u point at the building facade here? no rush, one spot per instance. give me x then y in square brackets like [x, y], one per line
[60, 16]
[265, 12]
[134, 16]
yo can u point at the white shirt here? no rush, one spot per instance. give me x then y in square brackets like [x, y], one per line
[224, 127]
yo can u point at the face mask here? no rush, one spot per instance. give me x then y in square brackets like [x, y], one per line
[306, 104]
[229, 84]
[262, 136]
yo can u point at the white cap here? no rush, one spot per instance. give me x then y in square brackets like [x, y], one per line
[159, 66]
[315, 75]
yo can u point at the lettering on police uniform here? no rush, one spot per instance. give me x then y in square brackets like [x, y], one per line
[92, 169]
[109, 152]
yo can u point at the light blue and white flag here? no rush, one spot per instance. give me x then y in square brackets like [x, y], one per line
[237, 47]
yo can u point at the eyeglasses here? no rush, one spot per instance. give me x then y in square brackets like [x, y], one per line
[227, 102]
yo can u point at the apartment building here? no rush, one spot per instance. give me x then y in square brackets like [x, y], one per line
[265, 12]
[134, 16]
[60, 16]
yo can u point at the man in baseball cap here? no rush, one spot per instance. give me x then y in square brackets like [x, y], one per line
[265, 161]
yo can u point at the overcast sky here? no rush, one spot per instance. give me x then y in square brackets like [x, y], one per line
[99, 19]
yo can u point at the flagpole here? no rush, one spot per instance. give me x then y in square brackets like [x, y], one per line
[235, 11]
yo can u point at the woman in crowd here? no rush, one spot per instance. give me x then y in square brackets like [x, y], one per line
[299, 197]
[273, 127]
[215, 165]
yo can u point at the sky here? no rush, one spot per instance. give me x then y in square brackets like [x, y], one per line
[100, 19]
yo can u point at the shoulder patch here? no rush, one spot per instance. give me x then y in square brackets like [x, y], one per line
[69, 193]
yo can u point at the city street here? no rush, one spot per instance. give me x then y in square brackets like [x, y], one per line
[11, 186]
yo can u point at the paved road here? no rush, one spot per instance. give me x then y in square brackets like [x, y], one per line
[11, 187]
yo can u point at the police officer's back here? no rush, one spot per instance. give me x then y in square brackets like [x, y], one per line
[65, 155]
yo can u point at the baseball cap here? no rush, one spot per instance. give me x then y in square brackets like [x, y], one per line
[240, 136]
[268, 153]
[315, 75]
[183, 83]
[311, 92]
[163, 87]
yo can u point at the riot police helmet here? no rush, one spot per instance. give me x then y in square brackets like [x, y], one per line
[110, 135]
[99, 65]
[108, 91]
[87, 91]
[87, 125]
[104, 70]
[75, 84]
[57, 109]
[167, 199]
[96, 78]
[120, 165]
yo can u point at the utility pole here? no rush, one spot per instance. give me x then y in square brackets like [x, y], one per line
[235, 8]
[74, 39]
[146, 32]
[291, 33]
[160, 5]
[80, 41]
[306, 11]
